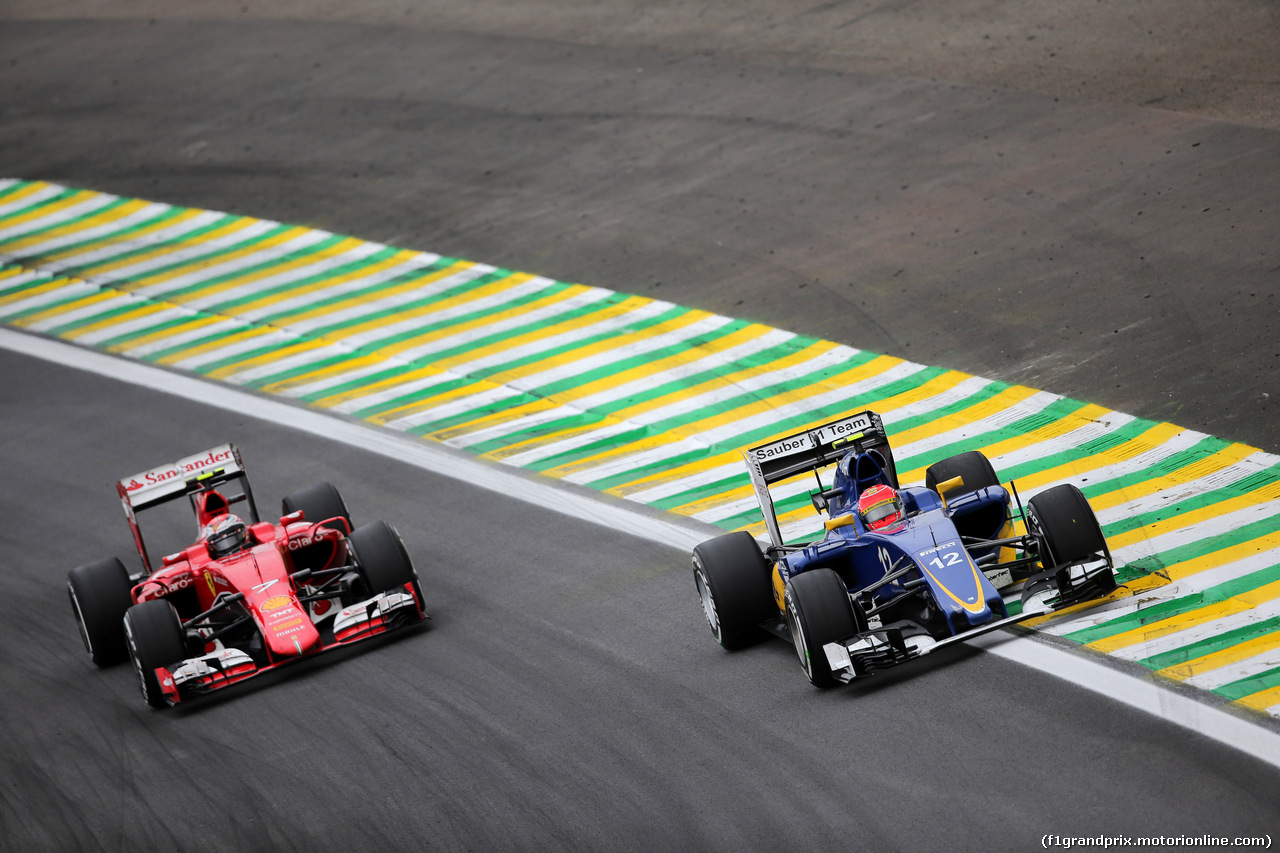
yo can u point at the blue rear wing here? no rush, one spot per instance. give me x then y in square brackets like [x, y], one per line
[813, 450]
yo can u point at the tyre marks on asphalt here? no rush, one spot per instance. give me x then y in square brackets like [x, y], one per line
[648, 400]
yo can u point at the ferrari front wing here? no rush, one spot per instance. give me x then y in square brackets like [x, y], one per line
[226, 666]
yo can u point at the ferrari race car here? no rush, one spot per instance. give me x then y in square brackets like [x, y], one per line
[248, 596]
[900, 572]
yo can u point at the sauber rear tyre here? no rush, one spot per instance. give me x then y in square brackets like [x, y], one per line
[818, 612]
[972, 467]
[99, 595]
[155, 638]
[382, 559]
[732, 577]
[318, 503]
[1064, 524]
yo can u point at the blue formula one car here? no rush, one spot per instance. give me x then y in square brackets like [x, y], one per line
[900, 571]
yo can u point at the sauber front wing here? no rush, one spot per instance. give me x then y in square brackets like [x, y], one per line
[881, 648]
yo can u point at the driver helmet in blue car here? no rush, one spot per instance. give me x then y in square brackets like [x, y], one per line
[880, 507]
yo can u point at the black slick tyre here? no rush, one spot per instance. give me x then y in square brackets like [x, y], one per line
[318, 503]
[154, 635]
[1065, 526]
[732, 578]
[99, 594]
[382, 560]
[971, 466]
[818, 612]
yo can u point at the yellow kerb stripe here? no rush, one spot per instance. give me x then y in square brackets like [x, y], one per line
[190, 242]
[569, 395]
[101, 296]
[1164, 627]
[136, 236]
[281, 265]
[138, 311]
[794, 395]
[1223, 657]
[319, 290]
[1261, 700]
[1266, 493]
[1175, 572]
[96, 220]
[43, 210]
[222, 257]
[465, 358]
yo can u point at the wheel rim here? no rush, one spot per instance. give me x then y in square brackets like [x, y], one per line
[708, 603]
[84, 631]
[797, 637]
[137, 662]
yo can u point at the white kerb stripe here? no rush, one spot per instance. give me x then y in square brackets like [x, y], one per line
[97, 201]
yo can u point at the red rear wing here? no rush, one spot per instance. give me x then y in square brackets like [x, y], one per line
[185, 477]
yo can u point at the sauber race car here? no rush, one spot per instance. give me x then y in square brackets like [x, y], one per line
[249, 595]
[900, 572]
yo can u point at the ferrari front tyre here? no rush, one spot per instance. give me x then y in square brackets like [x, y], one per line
[1064, 524]
[382, 560]
[155, 638]
[99, 595]
[732, 577]
[318, 503]
[972, 467]
[818, 612]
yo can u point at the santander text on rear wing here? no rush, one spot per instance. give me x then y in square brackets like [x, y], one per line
[185, 477]
[811, 450]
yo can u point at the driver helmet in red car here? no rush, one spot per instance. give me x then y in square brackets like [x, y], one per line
[880, 507]
[227, 536]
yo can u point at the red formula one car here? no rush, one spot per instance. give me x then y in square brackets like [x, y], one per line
[249, 595]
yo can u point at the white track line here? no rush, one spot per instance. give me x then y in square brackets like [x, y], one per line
[1080, 669]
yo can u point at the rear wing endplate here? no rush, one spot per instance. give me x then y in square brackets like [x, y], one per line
[185, 477]
[811, 450]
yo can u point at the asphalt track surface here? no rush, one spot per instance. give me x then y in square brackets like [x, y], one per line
[569, 695]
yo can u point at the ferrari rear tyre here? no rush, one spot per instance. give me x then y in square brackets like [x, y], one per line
[972, 467]
[732, 577]
[382, 560]
[155, 638]
[318, 503]
[819, 611]
[1064, 524]
[99, 594]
